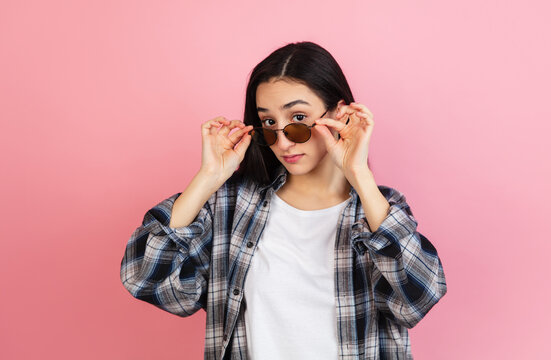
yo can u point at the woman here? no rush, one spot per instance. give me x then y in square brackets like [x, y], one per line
[283, 236]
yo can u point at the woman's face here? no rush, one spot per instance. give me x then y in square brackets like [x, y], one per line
[282, 102]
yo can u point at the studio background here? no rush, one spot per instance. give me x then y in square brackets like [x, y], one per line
[101, 104]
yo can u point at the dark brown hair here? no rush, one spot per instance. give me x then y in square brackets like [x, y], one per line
[306, 63]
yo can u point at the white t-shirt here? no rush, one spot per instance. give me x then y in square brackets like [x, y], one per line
[289, 290]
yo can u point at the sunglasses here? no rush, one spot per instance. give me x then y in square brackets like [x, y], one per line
[296, 132]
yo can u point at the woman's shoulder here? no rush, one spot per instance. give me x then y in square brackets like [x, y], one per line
[236, 190]
[232, 187]
[392, 194]
[388, 190]
[239, 183]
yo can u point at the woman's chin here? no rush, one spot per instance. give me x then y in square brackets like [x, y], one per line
[297, 169]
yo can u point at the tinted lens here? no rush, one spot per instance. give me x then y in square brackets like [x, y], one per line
[298, 133]
[264, 136]
[270, 136]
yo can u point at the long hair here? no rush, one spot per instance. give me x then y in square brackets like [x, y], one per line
[303, 62]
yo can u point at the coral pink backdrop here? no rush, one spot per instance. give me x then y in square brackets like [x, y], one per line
[100, 108]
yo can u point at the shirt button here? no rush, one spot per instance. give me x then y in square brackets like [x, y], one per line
[236, 291]
[225, 337]
[250, 244]
[265, 204]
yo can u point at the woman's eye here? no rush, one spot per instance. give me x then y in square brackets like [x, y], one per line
[299, 117]
[268, 122]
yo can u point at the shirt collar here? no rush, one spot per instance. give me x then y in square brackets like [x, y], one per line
[281, 177]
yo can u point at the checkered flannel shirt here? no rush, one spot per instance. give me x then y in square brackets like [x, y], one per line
[385, 281]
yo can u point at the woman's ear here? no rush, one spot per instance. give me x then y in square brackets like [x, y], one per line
[339, 104]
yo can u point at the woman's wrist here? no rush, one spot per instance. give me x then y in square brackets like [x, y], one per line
[191, 200]
[208, 180]
[360, 177]
[374, 203]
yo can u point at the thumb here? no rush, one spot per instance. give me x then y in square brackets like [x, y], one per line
[326, 136]
[242, 146]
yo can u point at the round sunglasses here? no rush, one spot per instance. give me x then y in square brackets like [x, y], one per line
[296, 132]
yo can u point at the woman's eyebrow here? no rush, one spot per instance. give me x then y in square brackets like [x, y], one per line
[286, 106]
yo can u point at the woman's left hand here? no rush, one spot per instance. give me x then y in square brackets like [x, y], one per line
[350, 151]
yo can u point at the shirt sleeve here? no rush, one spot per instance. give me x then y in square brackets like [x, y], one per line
[407, 274]
[169, 267]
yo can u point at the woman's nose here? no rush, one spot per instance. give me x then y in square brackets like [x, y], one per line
[283, 142]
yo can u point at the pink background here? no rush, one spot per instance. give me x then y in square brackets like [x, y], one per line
[101, 102]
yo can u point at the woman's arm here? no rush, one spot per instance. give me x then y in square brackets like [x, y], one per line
[187, 205]
[168, 267]
[407, 275]
[221, 155]
[374, 203]
[167, 258]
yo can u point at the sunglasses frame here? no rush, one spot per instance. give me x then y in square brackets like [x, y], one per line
[308, 127]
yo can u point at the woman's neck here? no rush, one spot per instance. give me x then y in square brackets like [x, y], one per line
[324, 186]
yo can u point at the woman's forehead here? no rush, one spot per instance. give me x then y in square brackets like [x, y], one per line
[282, 94]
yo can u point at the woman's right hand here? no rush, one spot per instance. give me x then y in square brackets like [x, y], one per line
[222, 152]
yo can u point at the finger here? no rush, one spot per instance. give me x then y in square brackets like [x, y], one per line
[365, 120]
[207, 126]
[237, 123]
[242, 146]
[351, 112]
[225, 130]
[237, 135]
[214, 129]
[326, 136]
[365, 124]
[366, 117]
[222, 123]
[354, 119]
[362, 108]
[209, 123]
[345, 116]
[345, 110]
[334, 124]
[216, 120]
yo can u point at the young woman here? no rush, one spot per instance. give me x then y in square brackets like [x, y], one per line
[283, 236]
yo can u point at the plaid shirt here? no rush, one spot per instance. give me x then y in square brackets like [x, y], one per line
[385, 282]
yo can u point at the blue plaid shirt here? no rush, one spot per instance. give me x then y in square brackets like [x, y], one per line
[385, 281]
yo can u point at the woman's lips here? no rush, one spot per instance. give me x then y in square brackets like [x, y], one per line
[292, 158]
